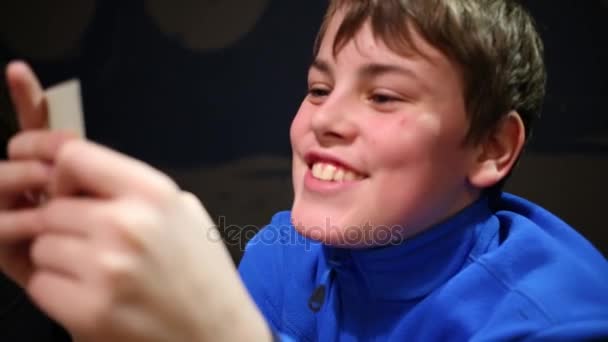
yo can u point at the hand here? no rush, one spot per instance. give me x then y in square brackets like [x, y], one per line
[132, 258]
[121, 254]
[22, 179]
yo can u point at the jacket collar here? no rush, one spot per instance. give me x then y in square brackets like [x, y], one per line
[416, 266]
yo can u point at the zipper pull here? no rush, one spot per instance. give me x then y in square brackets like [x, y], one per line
[315, 302]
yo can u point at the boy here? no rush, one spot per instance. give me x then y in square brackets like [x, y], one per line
[416, 113]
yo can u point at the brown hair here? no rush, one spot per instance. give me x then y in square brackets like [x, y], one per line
[493, 41]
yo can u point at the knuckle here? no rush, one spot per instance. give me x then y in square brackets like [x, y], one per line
[136, 222]
[119, 222]
[128, 220]
[190, 199]
[55, 142]
[117, 270]
[13, 146]
[187, 201]
[166, 189]
[20, 145]
[69, 151]
[37, 250]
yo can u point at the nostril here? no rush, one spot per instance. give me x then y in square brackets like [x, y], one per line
[334, 135]
[329, 138]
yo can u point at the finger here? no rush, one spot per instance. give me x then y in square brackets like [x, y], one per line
[117, 225]
[38, 144]
[64, 254]
[27, 95]
[65, 299]
[75, 216]
[17, 177]
[85, 167]
[190, 200]
[19, 225]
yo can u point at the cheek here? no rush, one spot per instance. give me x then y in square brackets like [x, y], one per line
[405, 140]
[424, 152]
[299, 125]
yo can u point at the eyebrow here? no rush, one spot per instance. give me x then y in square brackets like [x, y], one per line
[368, 71]
[321, 66]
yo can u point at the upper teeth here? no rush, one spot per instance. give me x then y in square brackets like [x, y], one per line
[330, 172]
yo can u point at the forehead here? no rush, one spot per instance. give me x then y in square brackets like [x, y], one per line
[375, 41]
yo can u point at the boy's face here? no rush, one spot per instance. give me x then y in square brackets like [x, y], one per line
[377, 144]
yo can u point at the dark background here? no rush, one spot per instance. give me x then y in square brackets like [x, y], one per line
[206, 90]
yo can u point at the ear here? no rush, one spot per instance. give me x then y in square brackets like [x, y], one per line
[498, 152]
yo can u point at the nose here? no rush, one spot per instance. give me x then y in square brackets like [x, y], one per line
[332, 122]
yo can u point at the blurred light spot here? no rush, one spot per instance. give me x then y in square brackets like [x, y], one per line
[206, 24]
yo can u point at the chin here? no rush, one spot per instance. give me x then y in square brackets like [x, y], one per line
[316, 227]
[344, 232]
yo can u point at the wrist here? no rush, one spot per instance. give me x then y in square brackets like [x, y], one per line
[244, 323]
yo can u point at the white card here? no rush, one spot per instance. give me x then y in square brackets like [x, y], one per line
[65, 107]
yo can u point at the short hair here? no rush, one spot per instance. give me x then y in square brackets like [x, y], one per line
[494, 42]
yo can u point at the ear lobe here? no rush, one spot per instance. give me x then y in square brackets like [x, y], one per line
[498, 152]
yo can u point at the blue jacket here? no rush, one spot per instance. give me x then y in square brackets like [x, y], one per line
[504, 271]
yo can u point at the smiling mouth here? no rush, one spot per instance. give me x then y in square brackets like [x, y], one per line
[329, 172]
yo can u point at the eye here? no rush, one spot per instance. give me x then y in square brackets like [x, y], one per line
[316, 94]
[383, 98]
